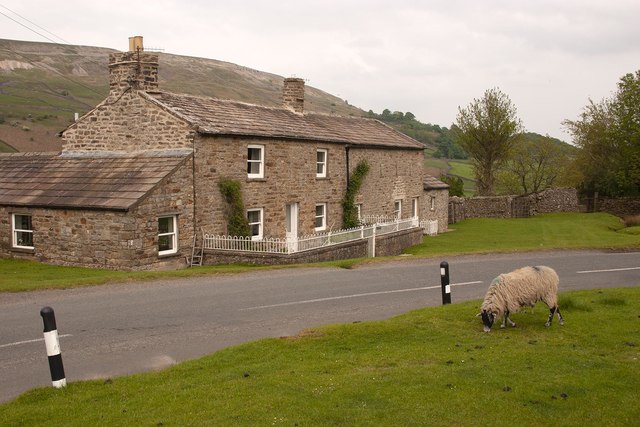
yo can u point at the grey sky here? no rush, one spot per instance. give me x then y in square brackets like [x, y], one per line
[427, 57]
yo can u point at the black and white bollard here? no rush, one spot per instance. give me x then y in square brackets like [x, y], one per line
[52, 342]
[444, 283]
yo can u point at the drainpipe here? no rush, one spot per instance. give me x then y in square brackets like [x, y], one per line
[346, 150]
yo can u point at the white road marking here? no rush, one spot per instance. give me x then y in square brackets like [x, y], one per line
[309, 301]
[13, 344]
[607, 271]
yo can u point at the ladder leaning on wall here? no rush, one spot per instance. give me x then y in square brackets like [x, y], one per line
[197, 251]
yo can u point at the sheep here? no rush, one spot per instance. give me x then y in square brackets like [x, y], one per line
[522, 287]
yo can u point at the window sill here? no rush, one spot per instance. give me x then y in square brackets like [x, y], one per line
[172, 254]
[24, 250]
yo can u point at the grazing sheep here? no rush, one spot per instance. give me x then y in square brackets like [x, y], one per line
[522, 287]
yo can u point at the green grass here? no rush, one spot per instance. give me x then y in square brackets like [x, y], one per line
[541, 232]
[6, 148]
[433, 366]
[21, 275]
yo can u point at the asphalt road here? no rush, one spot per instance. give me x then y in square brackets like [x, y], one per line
[121, 329]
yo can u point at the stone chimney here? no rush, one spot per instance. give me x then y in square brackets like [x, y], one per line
[293, 94]
[135, 69]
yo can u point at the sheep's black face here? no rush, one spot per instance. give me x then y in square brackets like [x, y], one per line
[488, 319]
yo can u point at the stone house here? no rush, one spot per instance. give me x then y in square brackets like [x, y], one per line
[138, 175]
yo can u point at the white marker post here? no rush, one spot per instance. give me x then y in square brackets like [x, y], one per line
[52, 343]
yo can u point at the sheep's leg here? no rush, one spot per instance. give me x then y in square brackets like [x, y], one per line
[552, 311]
[507, 319]
[560, 318]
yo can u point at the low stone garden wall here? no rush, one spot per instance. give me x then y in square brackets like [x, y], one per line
[385, 245]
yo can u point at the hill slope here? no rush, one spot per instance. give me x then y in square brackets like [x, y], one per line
[42, 85]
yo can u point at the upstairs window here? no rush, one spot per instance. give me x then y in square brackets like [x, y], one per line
[321, 217]
[254, 218]
[255, 161]
[414, 208]
[22, 231]
[167, 235]
[321, 163]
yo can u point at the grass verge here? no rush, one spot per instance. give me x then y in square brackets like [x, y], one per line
[433, 366]
[540, 232]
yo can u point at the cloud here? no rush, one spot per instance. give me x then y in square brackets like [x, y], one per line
[427, 57]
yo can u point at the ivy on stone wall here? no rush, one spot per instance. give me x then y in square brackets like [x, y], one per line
[237, 223]
[349, 212]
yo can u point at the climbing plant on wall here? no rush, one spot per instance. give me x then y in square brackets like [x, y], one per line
[349, 211]
[237, 224]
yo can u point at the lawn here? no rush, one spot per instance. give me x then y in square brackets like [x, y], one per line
[432, 366]
[540, 232]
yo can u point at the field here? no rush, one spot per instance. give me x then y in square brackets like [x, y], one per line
[432, 366]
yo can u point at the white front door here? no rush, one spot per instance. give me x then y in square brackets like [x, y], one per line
[291, 225]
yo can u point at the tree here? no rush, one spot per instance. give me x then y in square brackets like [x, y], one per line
[536, 162]
[487, 129]
[456, 185]
[608, 133]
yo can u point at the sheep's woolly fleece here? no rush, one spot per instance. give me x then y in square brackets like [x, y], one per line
[522, 287]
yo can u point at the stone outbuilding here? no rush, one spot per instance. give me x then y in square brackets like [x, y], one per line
[138, 175]
[436, 202]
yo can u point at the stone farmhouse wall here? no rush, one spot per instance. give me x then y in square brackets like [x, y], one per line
[547, 201]
[108, 239]
[393, 175]
[290, 177]
[127, 124]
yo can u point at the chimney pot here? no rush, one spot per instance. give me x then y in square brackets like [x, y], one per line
[135, 44]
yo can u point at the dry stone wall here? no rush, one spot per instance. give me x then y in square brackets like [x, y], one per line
[620, 206]
[547, 201]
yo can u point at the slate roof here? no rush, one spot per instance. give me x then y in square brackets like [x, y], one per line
[111, 183]
[233, 118]
[433, 183]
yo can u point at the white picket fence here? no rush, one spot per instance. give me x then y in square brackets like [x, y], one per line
[309, 242]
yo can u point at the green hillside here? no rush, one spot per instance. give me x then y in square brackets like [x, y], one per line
[43, 85]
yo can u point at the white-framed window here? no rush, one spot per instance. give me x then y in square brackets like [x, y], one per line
[321, 217]
[359, 211]
[321, 163]
[167, 235]
[254, 217]
[414, 207]
[255, 161]
[432, 203]
[397, 209]
[22, 231]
